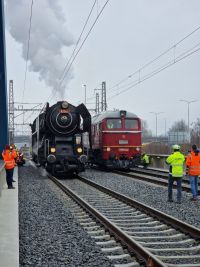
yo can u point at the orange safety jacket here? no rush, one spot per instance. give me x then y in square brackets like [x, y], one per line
[8, 158]
[193, 164]
[15, 153]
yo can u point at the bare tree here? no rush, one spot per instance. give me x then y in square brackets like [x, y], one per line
[195, 133]
[178, 126]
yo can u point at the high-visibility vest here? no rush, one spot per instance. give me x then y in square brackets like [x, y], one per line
[176, 161]
[145, 158]
[193, 163]
[8, 159]
[15, 154]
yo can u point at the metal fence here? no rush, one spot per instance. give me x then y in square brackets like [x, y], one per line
[164, 148]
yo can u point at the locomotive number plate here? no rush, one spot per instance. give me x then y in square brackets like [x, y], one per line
[64, 111]
[123, 149]
[123, 142]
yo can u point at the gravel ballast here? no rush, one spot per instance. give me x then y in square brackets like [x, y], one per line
[152, 195]
[49, 234]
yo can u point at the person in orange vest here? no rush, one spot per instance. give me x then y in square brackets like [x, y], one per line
[9, 161]
[193, 170]
[13, 149]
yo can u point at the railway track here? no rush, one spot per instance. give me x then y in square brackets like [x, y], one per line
[155, 177]
[152, 238]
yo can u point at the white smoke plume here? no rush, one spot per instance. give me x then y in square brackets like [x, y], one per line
[49, 36]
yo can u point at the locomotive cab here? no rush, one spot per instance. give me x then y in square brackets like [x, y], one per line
[116, 139]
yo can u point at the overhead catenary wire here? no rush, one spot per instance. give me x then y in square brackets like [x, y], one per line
[23, 113]
[79, 38]
[95, 21]
[154, 59]
[26, 120]
[158, 70]
[28, 48]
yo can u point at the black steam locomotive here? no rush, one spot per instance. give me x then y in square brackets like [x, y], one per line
[57, 137]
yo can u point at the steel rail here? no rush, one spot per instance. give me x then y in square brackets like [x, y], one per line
[147, 178]
[133, 246]
[143, 177]
[164, 174]
[175, 223]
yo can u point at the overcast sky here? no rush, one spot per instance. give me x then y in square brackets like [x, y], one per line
[128, 34]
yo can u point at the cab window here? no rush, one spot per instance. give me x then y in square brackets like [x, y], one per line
[113, 124]
[131, 124]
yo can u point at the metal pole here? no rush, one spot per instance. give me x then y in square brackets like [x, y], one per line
[156, 114]
[188, 103]
[188, 121]
[97, 103]
[3, 83]
[85, 93]
[156, 127]
[102, 97]
[11, 113]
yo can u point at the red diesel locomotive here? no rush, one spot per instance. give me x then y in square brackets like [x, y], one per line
[116, 140]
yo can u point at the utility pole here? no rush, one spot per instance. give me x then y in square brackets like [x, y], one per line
[188, 114]
[97, 103]
[11, 112]
[156, 114]
[103, 97]
[3, 82]
[85, 94]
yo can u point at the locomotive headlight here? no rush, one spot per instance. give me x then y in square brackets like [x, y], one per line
[78, 139]
[52, 149]
[108, 148]
[138, 149]
[79, 150]
[65, 104]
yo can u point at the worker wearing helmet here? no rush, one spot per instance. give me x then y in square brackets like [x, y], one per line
[176, 161]
[13, 148]
[145, 160]
[193, 170]
[9, 161]
[14, 151]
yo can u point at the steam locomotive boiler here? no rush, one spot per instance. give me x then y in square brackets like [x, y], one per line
[57, 137]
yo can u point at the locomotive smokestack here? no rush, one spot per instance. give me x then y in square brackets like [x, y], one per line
[49, 35]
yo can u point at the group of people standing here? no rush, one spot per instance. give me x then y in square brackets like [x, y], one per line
[9, 155]
[176, 162]
[176, 171]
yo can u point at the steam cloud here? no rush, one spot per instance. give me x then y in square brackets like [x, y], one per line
[49, 36]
